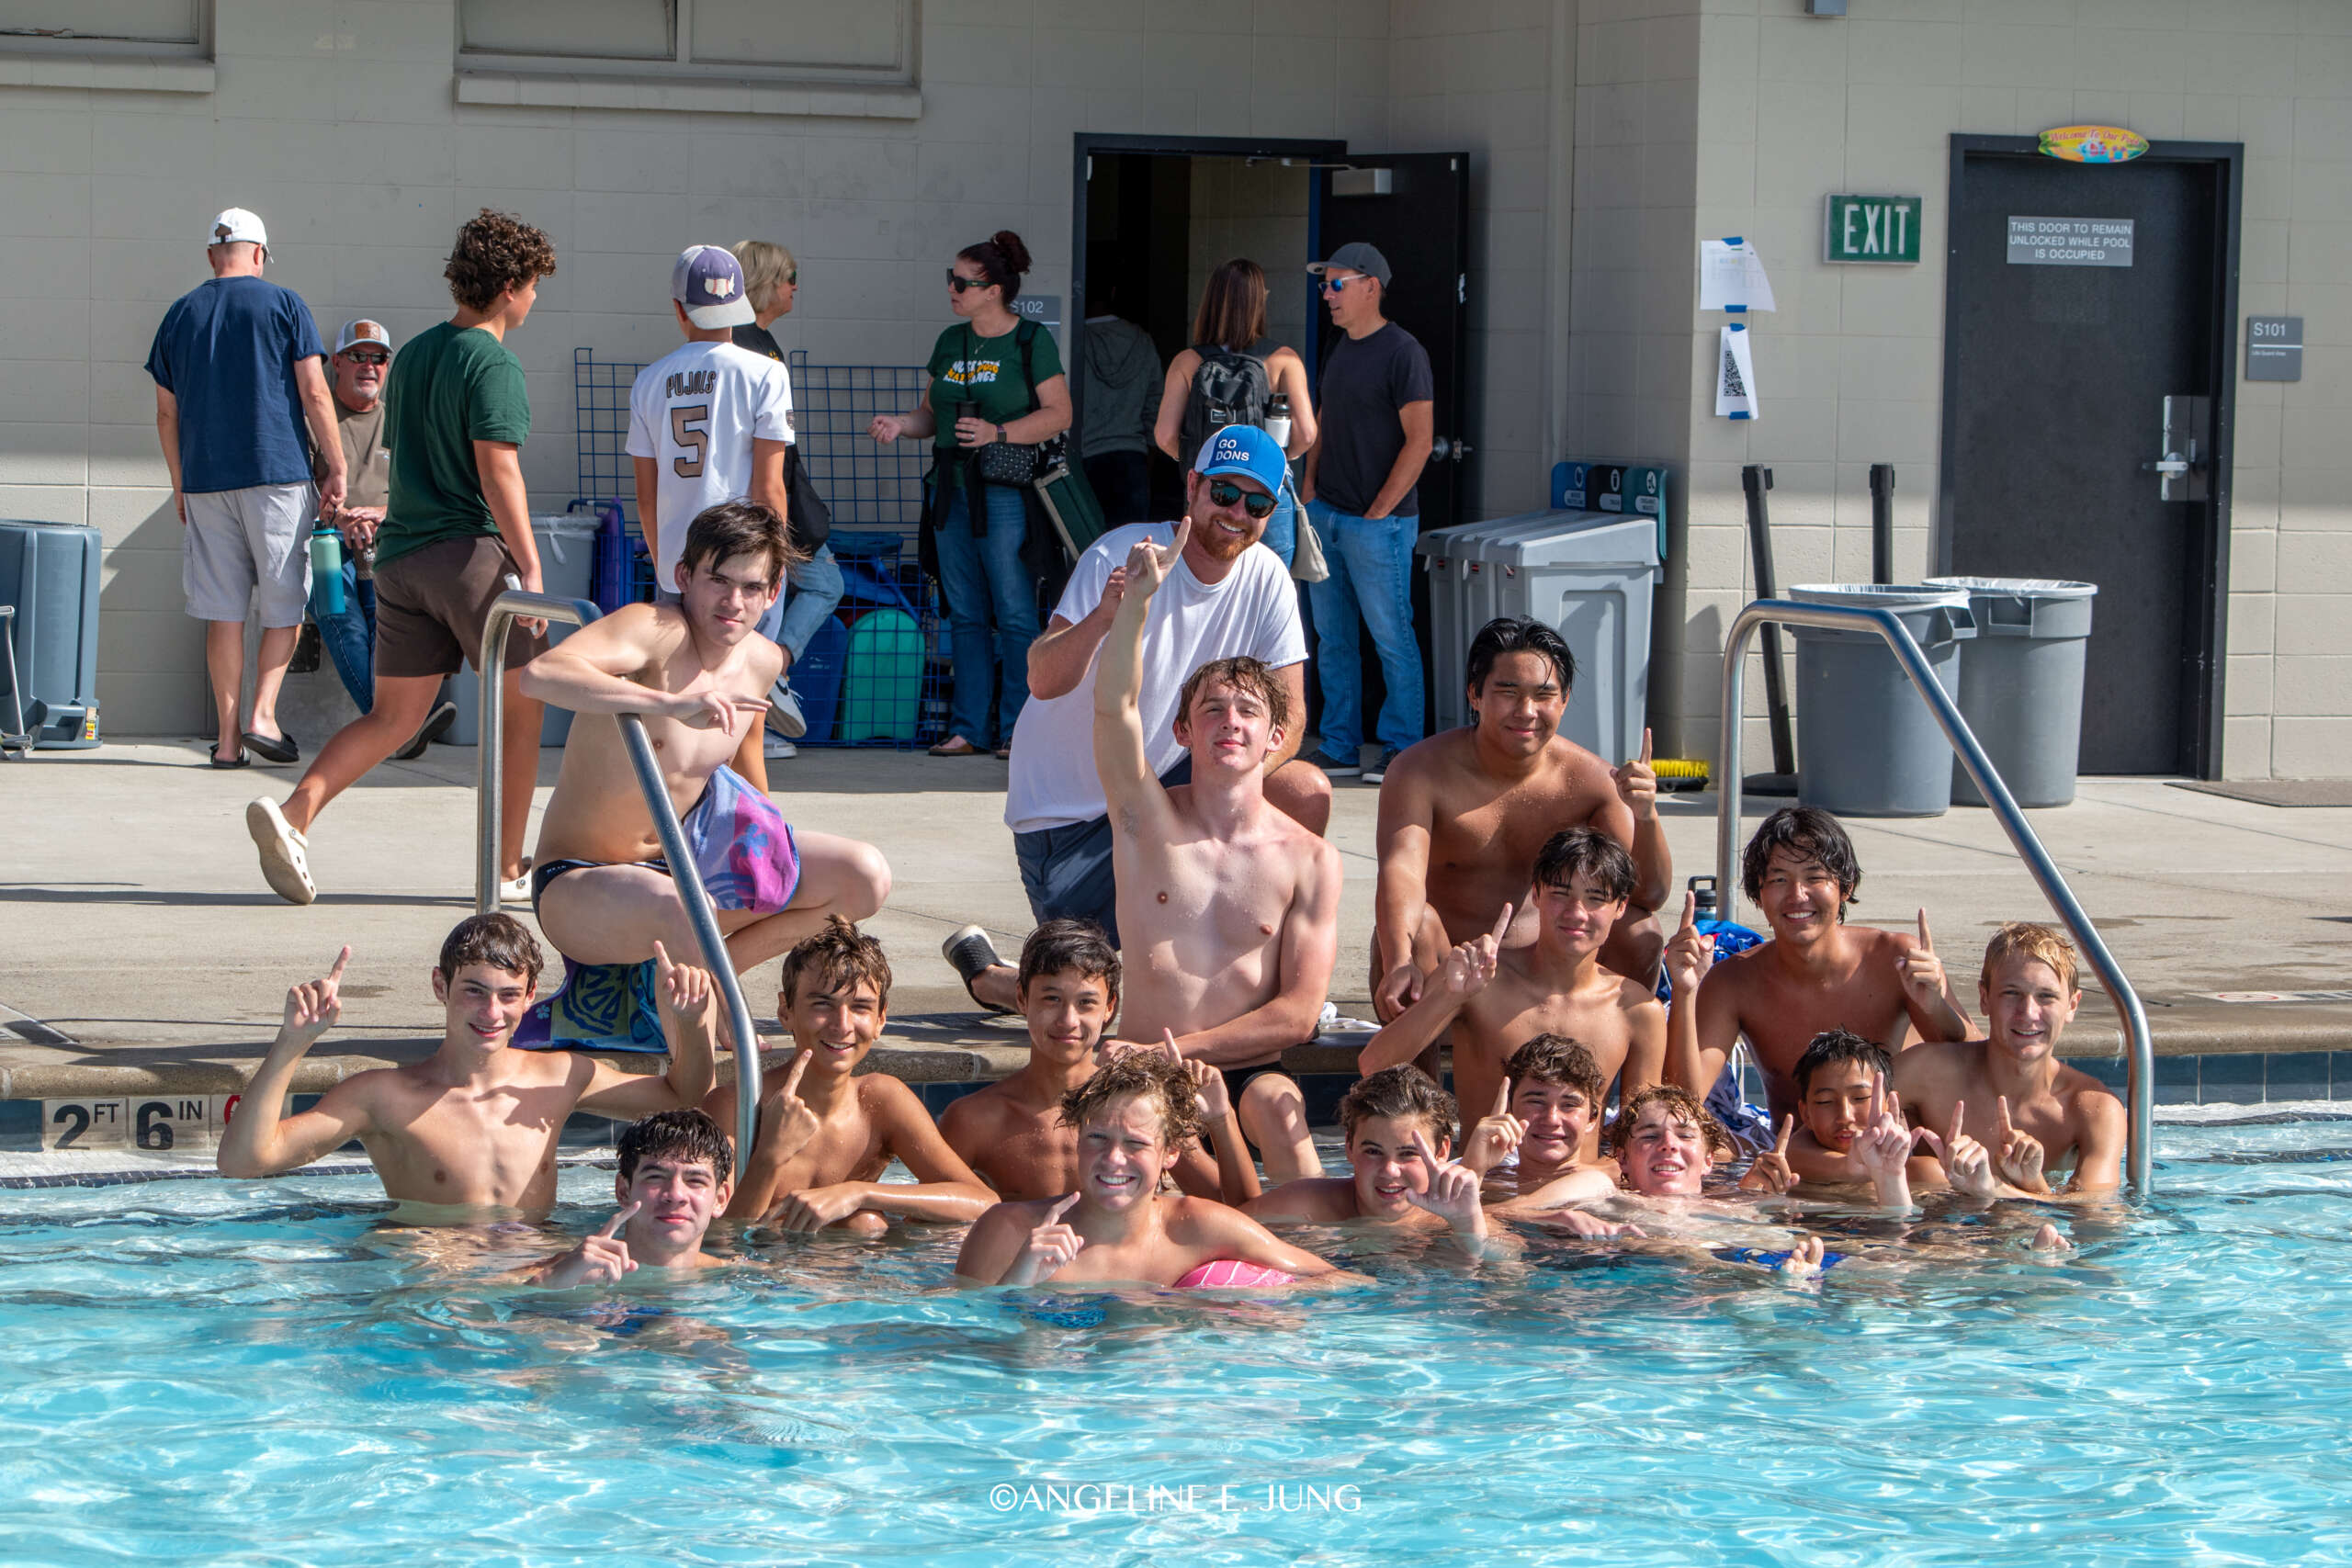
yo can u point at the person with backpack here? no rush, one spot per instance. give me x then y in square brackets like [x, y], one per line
[1231, 375]
[996, 390]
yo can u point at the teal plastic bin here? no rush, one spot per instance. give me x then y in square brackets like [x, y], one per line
[50, 572]
[882, 678]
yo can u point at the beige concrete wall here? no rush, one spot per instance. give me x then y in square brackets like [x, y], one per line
[1257, 210]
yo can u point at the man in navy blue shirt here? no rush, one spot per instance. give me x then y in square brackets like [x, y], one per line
[241, 403]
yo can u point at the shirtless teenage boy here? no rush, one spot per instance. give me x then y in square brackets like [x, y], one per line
[1547, 1111]
[2010, 1091]
[1228, 907]
[1012, 1131]
[1816, 973]
[677, 1172]
[474, 1124]
[698, 675]
[1399, 1129]
[1462, 813]
[1496, 997]
[1840, 1083]
[1132, 1117]
[825, 1135]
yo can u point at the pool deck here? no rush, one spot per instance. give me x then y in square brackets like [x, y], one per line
[144, 954]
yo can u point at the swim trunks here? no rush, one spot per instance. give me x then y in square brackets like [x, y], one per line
[546, 872]
[1238, 1078]
[1764, 1257]
[741, 845]
[1231, 1274]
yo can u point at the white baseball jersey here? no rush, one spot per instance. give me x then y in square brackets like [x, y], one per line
[696, 411]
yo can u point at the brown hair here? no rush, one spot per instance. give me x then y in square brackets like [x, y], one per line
[496, 942]
[1587, 849]
[495, 251]
[840, 955]
[686, 1136]
[2024, 939]
[1060, 945]
[1681, 1104]
[1402, 1093]
[1001, 258]
[1233, 307]
[1134, 1075]
[1243, 674]
[740, 527]
[1557, 1059]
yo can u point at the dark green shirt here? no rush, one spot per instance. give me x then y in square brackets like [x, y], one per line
[985, 372]
[450, 388]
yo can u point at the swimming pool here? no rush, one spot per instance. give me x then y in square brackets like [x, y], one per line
[205, 1371]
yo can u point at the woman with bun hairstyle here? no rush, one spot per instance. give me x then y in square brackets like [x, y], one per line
[1233, 317]
[992, 379]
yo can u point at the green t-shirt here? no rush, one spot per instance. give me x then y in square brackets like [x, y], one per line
[985, 372]
[450, 388]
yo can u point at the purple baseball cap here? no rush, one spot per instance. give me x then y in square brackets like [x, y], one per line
[708, 281]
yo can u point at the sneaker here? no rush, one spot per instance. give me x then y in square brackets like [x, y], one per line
[1379, 770]
[1333, 765]
[436, 724]
[783, 712]
[285, 852]
[518, 891]
[971, 954]
[775, 748]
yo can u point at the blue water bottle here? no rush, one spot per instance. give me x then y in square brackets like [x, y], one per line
[326, 572]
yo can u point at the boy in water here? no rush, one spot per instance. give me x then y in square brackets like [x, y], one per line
[1399, 1128]
[1840, 1083]
[825, 1133]
[474, 1124]
[2035, 1113]
[1497, 998]
[675, 1177]
[1816, 973]
[1547, 1112]
[1133, 1116]
[1012, 1131]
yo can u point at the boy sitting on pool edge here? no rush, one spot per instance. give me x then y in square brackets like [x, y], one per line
[476, 1123]
[676, 1173]
[1399, 1130]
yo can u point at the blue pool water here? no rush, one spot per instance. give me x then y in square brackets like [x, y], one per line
[205, 1371]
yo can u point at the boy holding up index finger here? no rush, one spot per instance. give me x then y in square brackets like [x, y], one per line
[673, 1180]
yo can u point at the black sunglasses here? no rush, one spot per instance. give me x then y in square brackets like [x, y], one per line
[1257, 503]
[959, 283]
[377, 358]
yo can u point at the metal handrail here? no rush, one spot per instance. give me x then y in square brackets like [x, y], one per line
[2140, 1044]
[508, 607]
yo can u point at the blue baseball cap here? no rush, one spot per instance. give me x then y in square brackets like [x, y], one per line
[708, 281]
[1242, 449]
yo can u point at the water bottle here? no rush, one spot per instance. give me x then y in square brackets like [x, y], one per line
[326, 569]
[1277, 424]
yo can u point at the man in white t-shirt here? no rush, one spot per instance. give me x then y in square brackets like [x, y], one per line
[1227, 596]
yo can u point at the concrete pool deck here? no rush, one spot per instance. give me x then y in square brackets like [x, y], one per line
[139, 929]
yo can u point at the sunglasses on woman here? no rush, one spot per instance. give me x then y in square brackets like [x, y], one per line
[1257, 503]
[959, 283]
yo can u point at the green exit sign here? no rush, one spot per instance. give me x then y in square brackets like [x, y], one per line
[1872, 229]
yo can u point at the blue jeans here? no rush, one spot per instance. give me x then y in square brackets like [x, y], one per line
[1282, 526]
[1372, 577]
[350, 637]
[795, 616]
[992, 611]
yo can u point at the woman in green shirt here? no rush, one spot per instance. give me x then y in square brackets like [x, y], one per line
[991, 385]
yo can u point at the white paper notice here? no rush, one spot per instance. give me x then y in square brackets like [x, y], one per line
[1735, 375]
[1731, 276]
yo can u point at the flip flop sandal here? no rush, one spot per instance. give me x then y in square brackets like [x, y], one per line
[956, 746]
[285, 853]
[239, 761]
[279, 748]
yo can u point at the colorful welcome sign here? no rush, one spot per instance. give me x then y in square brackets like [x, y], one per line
[2093, 143]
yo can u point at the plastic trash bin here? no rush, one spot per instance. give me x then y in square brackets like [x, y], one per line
[1867, 745]
[1592, 576]
[567, 544]
[50, 572]
[2022, 685]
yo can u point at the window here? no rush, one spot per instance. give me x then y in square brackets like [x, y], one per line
[105, 28]
[848, 42]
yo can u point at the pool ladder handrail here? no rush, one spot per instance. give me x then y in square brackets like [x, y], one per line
[509, 606]
[2139, 1051]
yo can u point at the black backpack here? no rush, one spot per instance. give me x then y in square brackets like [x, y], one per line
[1227, 388]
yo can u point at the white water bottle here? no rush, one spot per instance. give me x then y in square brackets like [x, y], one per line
[1277, 421]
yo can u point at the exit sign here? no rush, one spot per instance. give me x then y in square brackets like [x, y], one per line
[1872, 229]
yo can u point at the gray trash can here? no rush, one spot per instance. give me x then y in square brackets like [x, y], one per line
[567, 542]
[50, 572]
[1867, 745]
[2022, 685]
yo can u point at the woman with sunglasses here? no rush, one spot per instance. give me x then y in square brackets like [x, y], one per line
[990, 381]
[1232, 319]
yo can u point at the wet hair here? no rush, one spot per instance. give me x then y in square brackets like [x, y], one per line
[1809, 834]
[1136, 1074]
[739, 527]
[495, 251]
[1233, 307]
[1832, 1046]
[1058, 947]
[1681, 1104]
[765, 266]
[1001, 258]
[2024, 939]
[687, 1136]
[1557, 1059]
[839, 956]
[495, 942]
[1587, 849]
[1516, 634]
[1245, 674]
[1403, 1092]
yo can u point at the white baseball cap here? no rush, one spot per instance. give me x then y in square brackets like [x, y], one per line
[363, 330]
[235, 224]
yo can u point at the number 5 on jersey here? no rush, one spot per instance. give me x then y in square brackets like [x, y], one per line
[690, 428]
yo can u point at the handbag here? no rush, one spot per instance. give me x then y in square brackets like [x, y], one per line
[1013, 462]
[1306, 559]
[809, 519]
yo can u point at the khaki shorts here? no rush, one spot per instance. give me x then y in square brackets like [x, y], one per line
[431, 606]
[238, 540]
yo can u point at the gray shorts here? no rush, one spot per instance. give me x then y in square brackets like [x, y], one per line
[238, 540]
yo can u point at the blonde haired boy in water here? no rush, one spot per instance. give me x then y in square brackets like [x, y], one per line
[1133, 1117]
